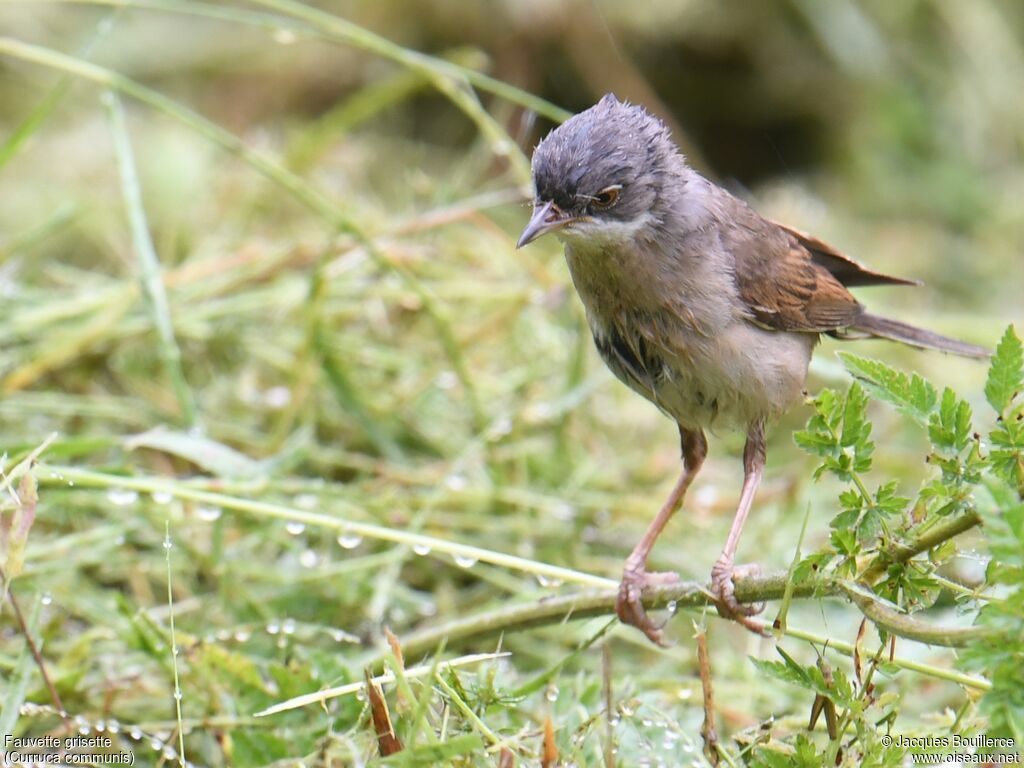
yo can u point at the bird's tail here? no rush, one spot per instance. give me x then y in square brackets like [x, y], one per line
[894, 330]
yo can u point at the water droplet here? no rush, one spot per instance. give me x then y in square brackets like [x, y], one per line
[208, 514]
[177, 694]
[361, 694]
[223, 635]
[499, 428]
[242, 635]
[277, 398]
[687, 746]
[672, 606]
[552, 693]
[349, 540]
[168, 544]
[447, 380]
[548, 582]
[46, 598]
[563, 511]
[465, 561]
[135, 733]
[456, 482]
[122, 497]
[294, 527]
[84, 730]
[306, 501]
[626, 709]
[288, 627]
[174, 650]
[162, 497]
[169, 753]
[273, 628]
[284, 36]
[670, 740]
[340, 636]
[646, 722]
[421, 549]
[309, 558]
[683, 694]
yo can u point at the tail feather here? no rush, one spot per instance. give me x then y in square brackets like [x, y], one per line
[884, 328]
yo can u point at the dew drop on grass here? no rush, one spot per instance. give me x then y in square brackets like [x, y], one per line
[277, 398]
[288, 627]
[46, 598]
[284, 36]
[349, 540]
[168, 544]
[294, 527]
[135, 733]
[552, 693]
[208, 514]
[548, 582]
[456, 482]
[306, 501]
[161, 497]
[309, 558]
[672, 606]
[273, 628]
[465, 561]
[447, 380]
[421, 549]
[122, 497]
[242, 635]
[113, 726]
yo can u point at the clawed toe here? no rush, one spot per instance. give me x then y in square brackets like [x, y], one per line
[728, 607]
[629, 605]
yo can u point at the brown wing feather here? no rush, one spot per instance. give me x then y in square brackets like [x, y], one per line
[781, 283]
[849, 272]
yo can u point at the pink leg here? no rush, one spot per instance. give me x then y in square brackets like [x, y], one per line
[725, 567]
[635, 576]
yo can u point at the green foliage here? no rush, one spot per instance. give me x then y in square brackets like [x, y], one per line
[969, 481]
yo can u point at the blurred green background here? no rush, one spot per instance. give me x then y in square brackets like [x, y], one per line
[358, 337]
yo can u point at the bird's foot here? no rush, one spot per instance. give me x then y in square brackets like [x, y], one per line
[629, 605]
[722, 586]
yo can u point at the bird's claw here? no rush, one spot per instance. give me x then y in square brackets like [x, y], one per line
[722, 586]
[629, 605]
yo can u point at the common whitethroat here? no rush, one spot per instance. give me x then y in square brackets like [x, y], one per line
[696, 302]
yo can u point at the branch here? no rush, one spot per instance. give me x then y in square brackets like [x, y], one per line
[690, 594]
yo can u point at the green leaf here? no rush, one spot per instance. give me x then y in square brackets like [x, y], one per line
[950, 426]
[911, 394]
[1006, 374]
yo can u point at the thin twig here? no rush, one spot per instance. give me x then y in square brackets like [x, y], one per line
[708, 731]
[19, 617]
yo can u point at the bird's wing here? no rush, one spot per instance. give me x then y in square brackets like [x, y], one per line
[783, 286]
[847, 271]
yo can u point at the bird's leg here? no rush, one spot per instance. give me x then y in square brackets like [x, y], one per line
[725, 568]
[635, 576]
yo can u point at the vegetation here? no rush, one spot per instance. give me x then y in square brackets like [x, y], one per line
[304, 464]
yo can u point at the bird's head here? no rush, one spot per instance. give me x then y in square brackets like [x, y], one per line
[600, 175]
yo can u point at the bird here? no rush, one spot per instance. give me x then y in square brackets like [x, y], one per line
[696, 302]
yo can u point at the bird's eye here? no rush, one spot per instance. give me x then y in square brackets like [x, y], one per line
[607, 197]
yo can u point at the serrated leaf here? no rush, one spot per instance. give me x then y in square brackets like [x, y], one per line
[911, 394]
[1006, 373]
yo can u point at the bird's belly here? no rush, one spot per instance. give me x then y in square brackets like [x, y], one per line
[725, 380]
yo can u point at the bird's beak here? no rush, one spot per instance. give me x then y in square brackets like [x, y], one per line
[547, 217]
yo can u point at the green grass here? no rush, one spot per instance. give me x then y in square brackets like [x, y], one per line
[300, 348]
